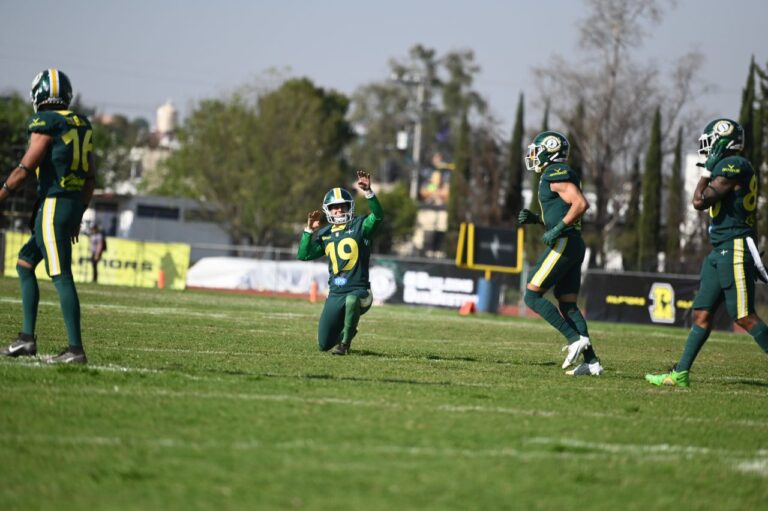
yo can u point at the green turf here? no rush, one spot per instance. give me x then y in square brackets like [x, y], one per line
[197, 400]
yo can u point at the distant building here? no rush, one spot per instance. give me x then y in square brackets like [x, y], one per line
[147, 156]
[164, 219]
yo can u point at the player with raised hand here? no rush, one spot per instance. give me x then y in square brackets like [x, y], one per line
[347, 243]
[562, 206]
[728, 188]
[60, 153]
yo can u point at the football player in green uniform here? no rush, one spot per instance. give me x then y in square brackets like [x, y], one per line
[728, 188]
[347, 243]
[562, 206]
[60, 153]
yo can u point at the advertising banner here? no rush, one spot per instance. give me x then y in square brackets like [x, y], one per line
[646, 298]
[424, 283]
[124, 263]
[392, 280]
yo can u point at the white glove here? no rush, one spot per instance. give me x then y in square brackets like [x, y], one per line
[761, 273]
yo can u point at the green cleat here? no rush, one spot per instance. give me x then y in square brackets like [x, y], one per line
[673, 378]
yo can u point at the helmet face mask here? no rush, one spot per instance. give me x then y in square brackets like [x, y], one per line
[339, 196]
[50, 87]
[548, 147]
[725, 131]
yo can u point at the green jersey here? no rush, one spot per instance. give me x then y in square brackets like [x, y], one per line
[553, 208]
[733, 216]
[348, 247]
[65, 167]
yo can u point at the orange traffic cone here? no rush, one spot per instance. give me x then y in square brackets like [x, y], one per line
[313, 292]
[467, 308]
[161, 279]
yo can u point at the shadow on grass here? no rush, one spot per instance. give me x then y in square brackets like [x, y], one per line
[745, 381]
[321, 376]
[416, 356]
[540, 364]
[334, 377]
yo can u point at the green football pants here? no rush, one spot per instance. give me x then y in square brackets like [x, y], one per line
[331, 329]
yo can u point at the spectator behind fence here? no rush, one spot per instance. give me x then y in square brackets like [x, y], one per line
[97, 247]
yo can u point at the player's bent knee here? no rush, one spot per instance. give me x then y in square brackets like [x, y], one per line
[25, 264]
[24, 270]
[324, 346]
[531, 297]
[702, 319]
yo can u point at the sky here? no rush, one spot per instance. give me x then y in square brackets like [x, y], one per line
[130, 57]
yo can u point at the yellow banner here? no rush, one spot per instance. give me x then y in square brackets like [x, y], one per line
[125, 262]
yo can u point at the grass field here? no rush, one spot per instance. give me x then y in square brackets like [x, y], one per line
[197, 400]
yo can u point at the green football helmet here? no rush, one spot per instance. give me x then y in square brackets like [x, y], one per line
[50, 87]
[723, 131]
[548, 147]
[339, 196]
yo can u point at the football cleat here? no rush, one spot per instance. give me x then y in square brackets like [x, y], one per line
[341, 349]
[585, 369]
[574, 350]
[25, 345]
[672, 378]
[69, 356]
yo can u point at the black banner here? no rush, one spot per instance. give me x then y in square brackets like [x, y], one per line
[490, 248]
[495, 247]
[647, 298]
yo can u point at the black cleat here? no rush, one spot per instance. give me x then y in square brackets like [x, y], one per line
[69, 356]
[341, 349]
[25, 345]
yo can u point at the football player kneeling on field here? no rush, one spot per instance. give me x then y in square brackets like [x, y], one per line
[346, 240]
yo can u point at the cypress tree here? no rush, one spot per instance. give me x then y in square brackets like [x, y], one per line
[460, 176]
[759, 155]
[675, 208]
[576, 160]
[629, 238]
[457, 200]
[514, 199]
[747, 113]
[650, 214]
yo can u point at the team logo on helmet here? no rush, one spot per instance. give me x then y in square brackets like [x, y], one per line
[723, 128]
[552, 144]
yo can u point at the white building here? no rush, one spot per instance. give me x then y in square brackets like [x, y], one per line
[153, 218]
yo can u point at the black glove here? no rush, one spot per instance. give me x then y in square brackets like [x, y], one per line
[526, 216]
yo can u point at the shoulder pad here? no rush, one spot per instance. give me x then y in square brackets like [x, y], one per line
[733, 167]
[557, 172]
[44, 122]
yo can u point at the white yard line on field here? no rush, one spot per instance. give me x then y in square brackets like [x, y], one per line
[741, 461]
[450, 408]
[684, 450]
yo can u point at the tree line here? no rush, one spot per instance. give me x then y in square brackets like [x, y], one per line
[265, 155]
